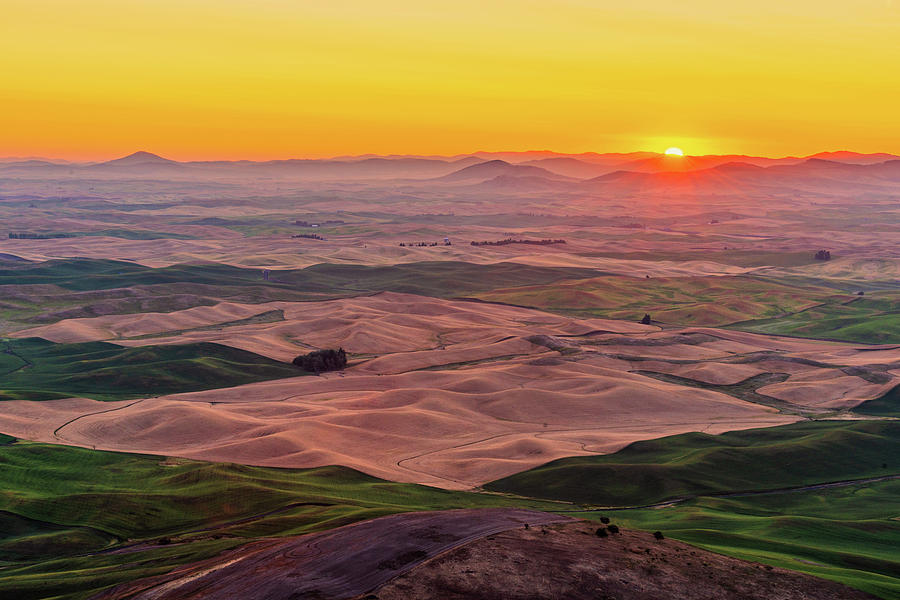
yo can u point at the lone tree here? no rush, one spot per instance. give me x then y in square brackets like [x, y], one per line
[604, 520]
[322, 360]
[613, 528]
[646, 319]
[658, 535]
[602, 532]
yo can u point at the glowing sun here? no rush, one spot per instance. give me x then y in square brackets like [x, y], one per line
[673, 151]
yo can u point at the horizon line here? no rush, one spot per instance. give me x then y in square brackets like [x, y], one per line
[436, 156]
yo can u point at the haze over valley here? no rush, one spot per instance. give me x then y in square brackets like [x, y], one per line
[656, 338]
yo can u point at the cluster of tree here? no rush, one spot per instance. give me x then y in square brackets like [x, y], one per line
[422, 244]
[514, 241]
[823, 255]
[605, 531]
[320, 361]
[614, 529]
[310, 236]
[300, 223]
[38, 236]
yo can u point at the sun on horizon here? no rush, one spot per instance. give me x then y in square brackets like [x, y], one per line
[673, 151]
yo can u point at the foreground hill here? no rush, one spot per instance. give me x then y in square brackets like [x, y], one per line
[569, 561]
[483, 554]
[818, 497]
[338, 564]
[74, 519]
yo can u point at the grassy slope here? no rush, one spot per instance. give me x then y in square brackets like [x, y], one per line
[92, 287]
[749, 303]
[867, 319]
[35, 369]
[848, 534]
[97, 274]
[709, 301]
[696, 463]
[60, 505]
[440, 278]
[887, 405]
[60, 289]
[738, 258]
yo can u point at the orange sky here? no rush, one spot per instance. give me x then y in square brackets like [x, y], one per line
[289, 78]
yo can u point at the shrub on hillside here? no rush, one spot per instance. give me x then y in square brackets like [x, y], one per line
[322, 360]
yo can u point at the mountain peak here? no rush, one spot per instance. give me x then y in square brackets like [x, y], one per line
[141, 157]
[492, 168]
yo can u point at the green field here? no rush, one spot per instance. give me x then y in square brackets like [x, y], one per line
[700, 464]
[783, 306]
[35, 369]
[75, 520]
[89, 287]
[887, 405]
[738, 258]
[47, 292]
[849, 533]
[706, 301]
[440, 278]
[98, 274]
[873, 319]
[63, 509]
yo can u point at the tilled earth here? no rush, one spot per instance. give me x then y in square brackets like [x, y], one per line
[569, 561]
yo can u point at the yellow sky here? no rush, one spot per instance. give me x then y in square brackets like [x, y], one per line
[286, 78]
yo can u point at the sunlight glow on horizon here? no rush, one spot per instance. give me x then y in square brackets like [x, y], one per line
[236, 79]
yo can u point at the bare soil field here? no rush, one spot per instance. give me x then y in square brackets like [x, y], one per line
[341, 563]
[380, 324]
[498, 389]
[511, 416]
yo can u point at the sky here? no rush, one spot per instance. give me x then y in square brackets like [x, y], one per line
[227, 79]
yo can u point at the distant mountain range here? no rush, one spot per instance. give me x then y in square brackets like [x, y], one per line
[510, 171]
